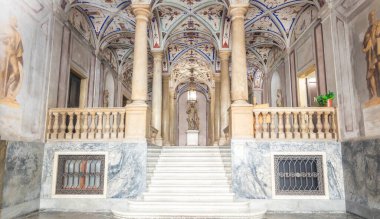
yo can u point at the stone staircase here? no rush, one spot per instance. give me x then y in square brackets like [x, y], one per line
[188, 182]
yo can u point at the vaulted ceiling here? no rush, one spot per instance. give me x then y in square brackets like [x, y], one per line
[192, 29]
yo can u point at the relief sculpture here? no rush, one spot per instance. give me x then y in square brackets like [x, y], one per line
[11, 64]
[371, 46]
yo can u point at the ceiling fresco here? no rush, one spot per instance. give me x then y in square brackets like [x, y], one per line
[189, 30]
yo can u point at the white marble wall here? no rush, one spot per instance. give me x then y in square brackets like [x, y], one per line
[252, 171]
[22, 177]
[126, 168]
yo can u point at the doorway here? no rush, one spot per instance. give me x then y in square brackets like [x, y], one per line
[74, 91]
[307, 89]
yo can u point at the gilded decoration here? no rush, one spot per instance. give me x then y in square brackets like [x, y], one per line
[11, 64]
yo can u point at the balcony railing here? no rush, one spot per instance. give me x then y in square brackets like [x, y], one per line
[86, 124]
[295, 123]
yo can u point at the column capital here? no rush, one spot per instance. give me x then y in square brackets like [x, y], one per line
[238, 11]
[157, 55]
[141, 11]
[224, 54]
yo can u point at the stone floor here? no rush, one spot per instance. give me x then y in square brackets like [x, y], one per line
[70, 215]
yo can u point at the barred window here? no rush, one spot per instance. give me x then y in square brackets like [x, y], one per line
[298, 175]
[80, 174]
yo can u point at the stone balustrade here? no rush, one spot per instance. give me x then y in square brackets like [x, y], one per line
[294, 123]
[86, 123]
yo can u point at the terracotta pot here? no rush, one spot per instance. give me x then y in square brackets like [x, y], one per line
[330, 103]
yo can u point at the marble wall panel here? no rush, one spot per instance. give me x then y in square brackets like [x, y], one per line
[126, 166]
[361, 166]
[22, 178]
[252, 171]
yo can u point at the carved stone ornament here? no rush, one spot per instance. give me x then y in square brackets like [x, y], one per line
[192, 115]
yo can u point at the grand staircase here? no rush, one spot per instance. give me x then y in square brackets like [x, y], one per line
[188, 182]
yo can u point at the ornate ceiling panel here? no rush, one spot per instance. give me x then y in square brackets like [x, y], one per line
[119, 24]
[264, 24]
[168, 15]
[212, 15]
[190, 24]
[287, 16]
[79, 21]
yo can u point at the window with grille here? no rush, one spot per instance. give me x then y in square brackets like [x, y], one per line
[299, 175]
[80, 175]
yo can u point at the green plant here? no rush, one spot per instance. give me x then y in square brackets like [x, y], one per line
[322, 99]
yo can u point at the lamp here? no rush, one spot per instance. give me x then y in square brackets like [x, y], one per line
[192, 93]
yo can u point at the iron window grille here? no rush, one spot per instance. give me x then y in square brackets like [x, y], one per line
[300, 175]
[80, 175]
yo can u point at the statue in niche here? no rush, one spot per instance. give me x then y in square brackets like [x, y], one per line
[192, 115]
[279, 98]
[371, 46]
[11, 64]
[106, 96]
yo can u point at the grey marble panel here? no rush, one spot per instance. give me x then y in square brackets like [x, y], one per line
[126, 166]
[361, 166]
[251, 165]
[22, 178]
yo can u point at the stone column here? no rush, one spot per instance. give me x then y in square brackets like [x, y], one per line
[239, 82]
[217, 112]
[140, 56]
[212, 117]
[225, 97]
[137, 122]
[166, 112]
[157, 95]
[172, 115]
[240, 111]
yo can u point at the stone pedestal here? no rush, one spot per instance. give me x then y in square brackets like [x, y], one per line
[192, 137]
[371, 114]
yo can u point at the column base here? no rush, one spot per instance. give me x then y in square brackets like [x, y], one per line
[136, 121]
[223, 141]
[159, 141]
[241, 120]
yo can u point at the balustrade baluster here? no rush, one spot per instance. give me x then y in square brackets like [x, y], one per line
[311, 126]
[333, 126]
[296, 130]
[121, 126]
[62, 127]
[70, 127]
[321, 135]
[106, 133]
[265, 125]
[273, 133]
[257, 125]
[99, 127]
[77, 125]
[303, 125]
[84, 131]
[326, 125]
[49, 125]
[114, 124]
[281, 133]
[288, 131]
[92, 133]
[55, 126]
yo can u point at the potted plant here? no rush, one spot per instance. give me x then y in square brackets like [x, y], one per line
[326, 99]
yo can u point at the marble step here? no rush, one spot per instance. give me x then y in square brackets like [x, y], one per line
[127, 214]
[199, 154]
[188, 196]
[189, 177]
[192, 164]
[195, 150]
[197, 182]
[189, 206]
[194, 174]
[190, 168]
[187, 159]
[189, 188]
